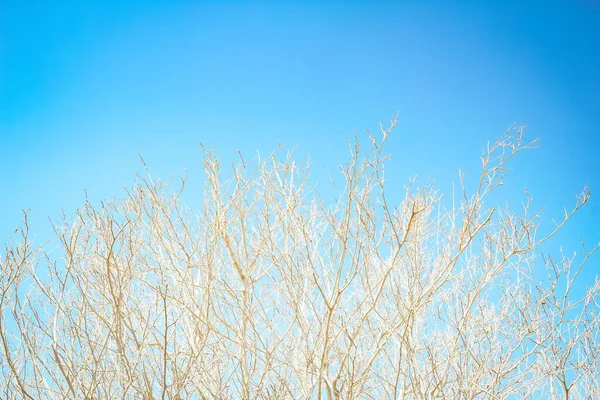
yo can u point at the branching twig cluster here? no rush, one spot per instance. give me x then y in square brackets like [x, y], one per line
[266, 291]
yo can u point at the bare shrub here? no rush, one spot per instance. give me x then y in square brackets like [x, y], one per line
[268, 292]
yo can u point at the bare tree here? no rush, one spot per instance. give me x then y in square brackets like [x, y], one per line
[268, 292]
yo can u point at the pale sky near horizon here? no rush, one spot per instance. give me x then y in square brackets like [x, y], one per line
[86, 86]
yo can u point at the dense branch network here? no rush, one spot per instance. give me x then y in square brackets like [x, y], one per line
[267, 291]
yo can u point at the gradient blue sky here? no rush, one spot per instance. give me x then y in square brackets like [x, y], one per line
[86, 86]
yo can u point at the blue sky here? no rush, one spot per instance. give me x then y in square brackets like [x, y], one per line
[86, 86]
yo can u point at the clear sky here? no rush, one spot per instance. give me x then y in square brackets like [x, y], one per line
[86, 86]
